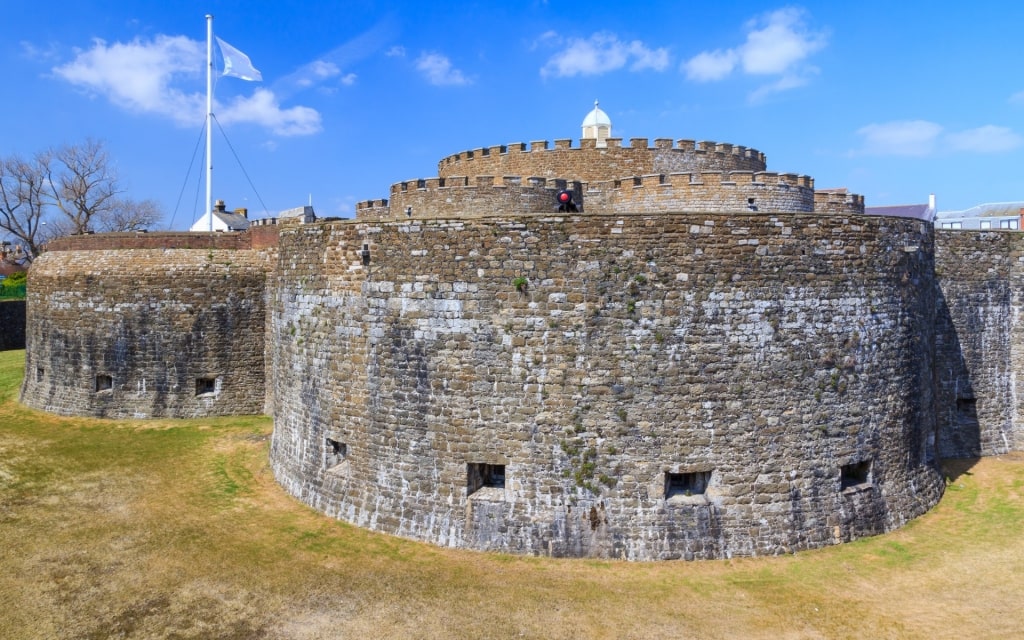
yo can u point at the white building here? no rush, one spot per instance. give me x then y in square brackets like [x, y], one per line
[223, 220]
[995, 215]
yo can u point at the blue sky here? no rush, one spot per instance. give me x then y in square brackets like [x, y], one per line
[891, 100]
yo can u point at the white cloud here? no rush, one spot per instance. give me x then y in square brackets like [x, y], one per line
[778, 43]
[396, 51]
[137, 75]
[314, 73]
[710, 65]
[262, 108]
[644, 58]
[900, 138]
[1017, 98]
[601, 53]
[349, 79]
[323, 69]
[141, 77]
[544, 39]
[922, 138]
[32, 52]
[986, 139]
[785, 83]
[439, 71]
[783, 42]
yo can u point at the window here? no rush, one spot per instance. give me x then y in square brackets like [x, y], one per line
[686, 484]
[966, 405]
[104, 382]
[335, 452]
[855, 474]
[986, 224]
[39, 374]
[206, 386]
[952, 225]
[481, 475]
[1009, 224]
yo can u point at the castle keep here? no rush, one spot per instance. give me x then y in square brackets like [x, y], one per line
[705, 359]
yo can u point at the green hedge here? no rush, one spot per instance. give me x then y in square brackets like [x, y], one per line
[13, 287]
[12, 292]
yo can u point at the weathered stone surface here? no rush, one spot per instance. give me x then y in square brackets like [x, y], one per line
[678, 372]
[979, 342]
[147, 332]
[681, 353]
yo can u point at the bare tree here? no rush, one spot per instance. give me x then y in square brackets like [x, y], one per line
[130, 215]
[82, 184]
[74, 188]
[23, 200]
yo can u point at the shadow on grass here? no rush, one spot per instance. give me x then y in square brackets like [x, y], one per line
[954, 468]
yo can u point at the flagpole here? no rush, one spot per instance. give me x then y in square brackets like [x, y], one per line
[209, 118]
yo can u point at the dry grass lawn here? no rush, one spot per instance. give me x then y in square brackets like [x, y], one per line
[164, 529]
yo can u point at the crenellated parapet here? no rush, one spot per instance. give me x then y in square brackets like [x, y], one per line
[713, 191]
[460, 196]
[373, 209]
[589, 163]
[706, 191]
[838, 201]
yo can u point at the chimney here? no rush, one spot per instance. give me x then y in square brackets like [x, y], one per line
[243, 211]
[931, 201]
[219, 207]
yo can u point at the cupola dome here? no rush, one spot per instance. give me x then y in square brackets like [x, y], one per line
[597, 125]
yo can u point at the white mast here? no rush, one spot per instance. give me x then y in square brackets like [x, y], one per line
[209, 118]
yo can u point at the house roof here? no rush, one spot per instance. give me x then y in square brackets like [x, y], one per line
[7, 268]
[988, 210]
[234, 221]
[916, 211]
[222, 220]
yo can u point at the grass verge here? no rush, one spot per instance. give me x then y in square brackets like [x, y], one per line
[176, 529]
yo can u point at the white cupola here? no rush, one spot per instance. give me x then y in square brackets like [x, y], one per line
[597, 126]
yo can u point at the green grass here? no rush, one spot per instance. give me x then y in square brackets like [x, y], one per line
[176, 529]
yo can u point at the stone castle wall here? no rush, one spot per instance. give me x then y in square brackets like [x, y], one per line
[466, 366]
[461, 197]
[147, 332]
[12, 324]
[714, 192]
[609, 367]
[588, 163]
[980, 342]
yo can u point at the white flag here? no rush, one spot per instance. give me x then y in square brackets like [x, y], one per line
[237, 64]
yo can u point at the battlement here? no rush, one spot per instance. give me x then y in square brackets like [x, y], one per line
[713, 191]
[462, 196]
[838, 201]
[717, 191]
[718, 178]
[373, 209]
[455, 182]
[565, 144]
[588, 163]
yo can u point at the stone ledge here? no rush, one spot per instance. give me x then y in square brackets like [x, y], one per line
[488, 494]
